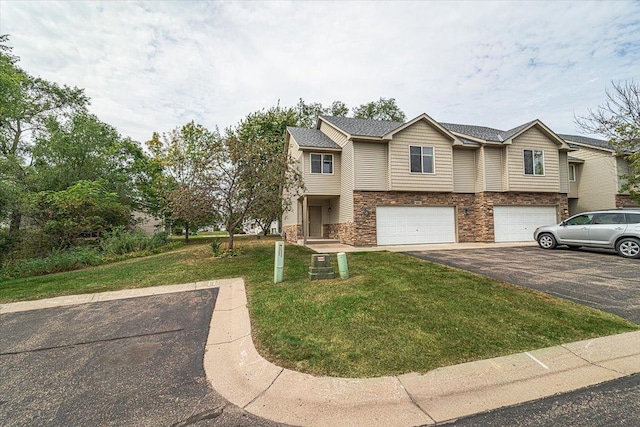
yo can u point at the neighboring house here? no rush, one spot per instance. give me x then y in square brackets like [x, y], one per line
[252, 227]
[595, 170]
[373, 182]
[147, 222]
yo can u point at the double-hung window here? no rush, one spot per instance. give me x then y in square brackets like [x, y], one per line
[533, 162]
[572, 173]
[421, 159]
[322, 163]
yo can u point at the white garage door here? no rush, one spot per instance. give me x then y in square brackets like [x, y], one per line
[402, 225]
[517, 223]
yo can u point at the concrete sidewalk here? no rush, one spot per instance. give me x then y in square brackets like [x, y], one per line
[333, 246]
[243, 377]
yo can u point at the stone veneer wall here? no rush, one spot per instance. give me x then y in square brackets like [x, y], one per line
[345, 232]
[474, 211]
[625, 201]
[292, 233]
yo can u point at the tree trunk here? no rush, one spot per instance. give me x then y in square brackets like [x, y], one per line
[186, 232]
[16, 220]
[231, 240]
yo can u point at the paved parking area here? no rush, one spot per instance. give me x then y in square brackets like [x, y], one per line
[595, 278]
[129, 362]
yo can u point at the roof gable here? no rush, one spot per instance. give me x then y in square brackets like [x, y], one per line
[312, 138]
[424, 117]
[488, 134]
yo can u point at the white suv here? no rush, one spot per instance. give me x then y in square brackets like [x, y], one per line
[613, 229]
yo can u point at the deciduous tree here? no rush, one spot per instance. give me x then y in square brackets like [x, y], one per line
[382, 109]
[618, 120]
[26, 103]
[188, 155]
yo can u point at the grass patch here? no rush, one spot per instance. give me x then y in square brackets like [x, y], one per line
[395, 314]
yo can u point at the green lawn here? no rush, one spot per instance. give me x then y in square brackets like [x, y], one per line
[395, 314]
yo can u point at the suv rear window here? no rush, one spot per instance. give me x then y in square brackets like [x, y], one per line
[633, 218]
[609, 218]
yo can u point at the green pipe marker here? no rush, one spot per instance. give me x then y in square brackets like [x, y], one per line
[278, 269]
[342, 265]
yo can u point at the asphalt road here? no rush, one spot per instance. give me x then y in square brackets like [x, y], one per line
[133, 362]
[598, 279]
[612, 404]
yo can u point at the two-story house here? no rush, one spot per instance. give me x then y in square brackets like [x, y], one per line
[595, 176]
[381, 183]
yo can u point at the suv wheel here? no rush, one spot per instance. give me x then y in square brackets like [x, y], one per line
[547, 241]
[628, 247]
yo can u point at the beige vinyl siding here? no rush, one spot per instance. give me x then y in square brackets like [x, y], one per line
[333, 134]
[346, 184]
[480, 167]
[294, 151]
[598, 179]
[574, 186]
[291, 217]
[533, 139]
[493, 172]
[371, 166]
[464, 171]
[321, 183]
[563, 167]
[623, 169]
[421, 134]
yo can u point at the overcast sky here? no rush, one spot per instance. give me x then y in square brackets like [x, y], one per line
[152, 66]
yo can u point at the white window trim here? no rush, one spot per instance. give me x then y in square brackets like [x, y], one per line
[572, 168]
[433, 161]
[322, 172]
[524, 166]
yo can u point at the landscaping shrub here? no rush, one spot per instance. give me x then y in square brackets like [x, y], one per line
[121, 241]
[115, 245]
[56, 261]
[220, 252]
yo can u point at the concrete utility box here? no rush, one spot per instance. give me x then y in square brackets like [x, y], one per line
[320, 267]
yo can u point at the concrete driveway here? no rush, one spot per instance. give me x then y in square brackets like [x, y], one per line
[129, 362]
[595, 278]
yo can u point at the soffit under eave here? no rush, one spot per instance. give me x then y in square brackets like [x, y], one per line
[311, 148]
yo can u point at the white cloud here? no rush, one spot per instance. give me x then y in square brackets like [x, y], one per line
[155, 65]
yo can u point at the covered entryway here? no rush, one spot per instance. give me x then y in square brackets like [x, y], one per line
[401, 225]
[517, 223]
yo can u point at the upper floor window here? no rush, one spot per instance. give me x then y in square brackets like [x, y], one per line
[572, 173]
[533, 162]
[421, 159]
[322, 163]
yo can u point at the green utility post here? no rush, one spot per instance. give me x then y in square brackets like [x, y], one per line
[278, 270]
[342, 265]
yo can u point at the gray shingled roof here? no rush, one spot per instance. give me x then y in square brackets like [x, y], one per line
[585, 140]
[482, 132]
[362, 127]
[508, 134]
[486, 133]
[575, 159]
[311, 138]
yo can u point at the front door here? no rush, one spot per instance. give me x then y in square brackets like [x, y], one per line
[315, 221]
